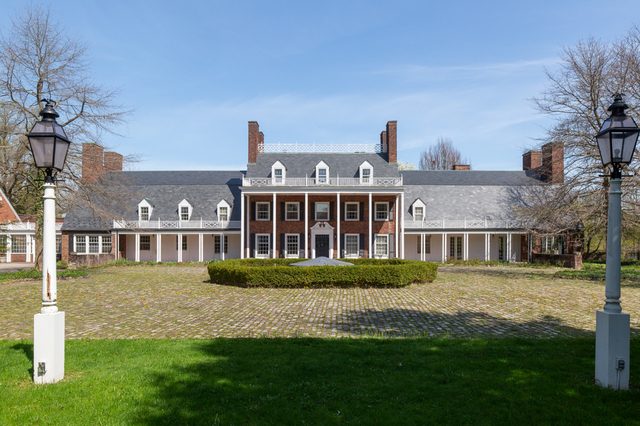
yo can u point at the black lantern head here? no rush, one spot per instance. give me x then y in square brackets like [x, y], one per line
[48, 141]
[618, 136]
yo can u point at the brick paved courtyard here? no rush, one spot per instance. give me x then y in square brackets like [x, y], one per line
[179, 302]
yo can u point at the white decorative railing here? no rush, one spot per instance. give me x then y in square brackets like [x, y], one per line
[176, 224]
[334, 181]
[322, 147]
[460, 224]
[24, 226]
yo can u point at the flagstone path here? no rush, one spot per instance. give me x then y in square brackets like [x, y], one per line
[179, 302]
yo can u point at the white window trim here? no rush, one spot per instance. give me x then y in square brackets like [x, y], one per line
[263, 256]
[258, 203]
[184, 203]
[223, 204]
[375, 246]
[418, 203]
[357, 253]
[328, 211]
[86, 243]
[286, 246]
[363, 166]
[223, 245]
[144, 203]
[145, 236]
[375, 211]
[286, 211]
[319, 166]
[278, 166]
[357, 210]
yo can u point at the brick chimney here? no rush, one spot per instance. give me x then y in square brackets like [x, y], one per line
[392, 141]
[461, 167]
[553, 162]
[531, 160]
[112, 161]
[255, 137]
[92, 162]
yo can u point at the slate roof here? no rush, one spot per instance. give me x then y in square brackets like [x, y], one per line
[164, 191]
[469, 177]
[302, 165]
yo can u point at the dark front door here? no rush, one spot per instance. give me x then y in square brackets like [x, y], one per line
[322, 245]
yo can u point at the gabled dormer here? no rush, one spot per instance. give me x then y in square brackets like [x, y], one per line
[145, 208]
[418, 210]
[184, 210]
[223, 210]
[278, 173]
[366, 173]
[322, 173]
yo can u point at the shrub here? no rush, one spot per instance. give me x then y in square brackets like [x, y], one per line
[364, 273]
[62, 264]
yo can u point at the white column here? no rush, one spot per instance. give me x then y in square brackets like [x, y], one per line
[179, 247]
[306, 225]
[338, 225]
[273, 239]
[116, 244]
[9, 241]
[248, 243]
[397, 220]
[137, 250]
[370, 229]
[158, 247]
[486, 247]
[444, 246]
[200, 248]
[241, 226]
[28, 248]
[402, 225]
[465, 240]
[508, 257]
[423, 246]
[222, 246]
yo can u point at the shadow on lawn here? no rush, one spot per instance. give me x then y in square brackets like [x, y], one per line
[27, 349]
[383, 381]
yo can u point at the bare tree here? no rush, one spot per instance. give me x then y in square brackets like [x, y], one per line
[442, 156]
[577, 97]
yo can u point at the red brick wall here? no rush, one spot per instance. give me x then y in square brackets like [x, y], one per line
[392, 139]
[113, 161]
[254, 138]
[553, 162]
[531, 160]
[461, 167]
[92, 162]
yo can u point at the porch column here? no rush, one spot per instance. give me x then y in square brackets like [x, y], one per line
[137, 255]
[338, 226]
[248, 218]
[444, 246]
[401, 225]
[423, 246]
[486, 244]
[508, 257]
[158, 247]
[241, 226]
[397, 220]
[370, 229]
[489, 246]
[200, 248]
[28, 248]
[222, 246]
[274, 238]
[306, 225]
[9, 241]
[116, 244]
[466, 246]
[179, 247]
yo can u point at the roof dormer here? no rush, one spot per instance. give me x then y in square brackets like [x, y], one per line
[366, 173]
[184, 210]
[322, 173]
[418, 209]
[278, 173]
[145, 208]
[223, 210]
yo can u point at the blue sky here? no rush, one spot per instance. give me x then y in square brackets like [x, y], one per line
[330, 71]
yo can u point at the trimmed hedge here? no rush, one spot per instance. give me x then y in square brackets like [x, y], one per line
[365, 273]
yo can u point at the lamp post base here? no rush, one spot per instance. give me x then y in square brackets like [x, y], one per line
[612, 350]
[48, 347]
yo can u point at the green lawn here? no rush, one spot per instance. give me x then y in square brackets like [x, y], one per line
[596, 271]
[316, 382]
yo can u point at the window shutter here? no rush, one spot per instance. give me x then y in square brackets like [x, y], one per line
[301, 217]
[342, 211]
[361, 245]
[362, 211]
[301, 252]
[252, 244]
[392, 242]
[342, 246]
[272, 210]
[313, 211]
[391, 210]
[282, 246]
[331, 210]
[253, 211]
[282, 211]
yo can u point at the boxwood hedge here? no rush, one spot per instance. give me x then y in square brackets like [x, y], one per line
[364, 273]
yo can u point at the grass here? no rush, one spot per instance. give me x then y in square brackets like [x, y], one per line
[316, 382]
[33, 273]
[596, 271]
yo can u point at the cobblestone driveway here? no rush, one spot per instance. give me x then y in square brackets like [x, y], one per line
[178, 302]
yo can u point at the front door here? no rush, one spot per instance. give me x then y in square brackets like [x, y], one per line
[322, 245]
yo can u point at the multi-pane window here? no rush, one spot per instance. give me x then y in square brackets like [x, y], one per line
[501, 248]
[145, 242]
[427, 244]
[277, 175]
[322, 175]
[419, 251]
[223, 214]
[455, 248]
[292, 245]
[366, 176]
[106, 244]
[216, 244]
[184, 213]
[3, 244]
[382, 245]
[352, 211]
[292, 211]
[94, 244]
[382, 211]
[144, 213]
[81, 246]
[322, 211]
[184, 242]
[58, 244]
[262, 211]
[19, 244]
[418, 213]
[262, 245]
[351, 244]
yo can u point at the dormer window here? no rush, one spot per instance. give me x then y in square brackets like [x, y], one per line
[224, 211]
[366, 173]
[278, 173]
[322, 173]
[144, 210]
[418, 209]
[184, 210]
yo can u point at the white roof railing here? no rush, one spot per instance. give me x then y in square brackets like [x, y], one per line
[323, 147]
[330, 181]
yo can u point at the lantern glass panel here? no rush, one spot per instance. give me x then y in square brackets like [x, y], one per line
[62, 148]
[42, 148]
[605, 148]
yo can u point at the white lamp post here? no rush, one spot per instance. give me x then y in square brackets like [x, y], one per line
[49, 145]
[617, 142]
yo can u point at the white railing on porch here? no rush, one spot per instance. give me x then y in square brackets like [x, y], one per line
[176, 224]
[24, 226]
[460, 224]
[331, 181]
[322, 147]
